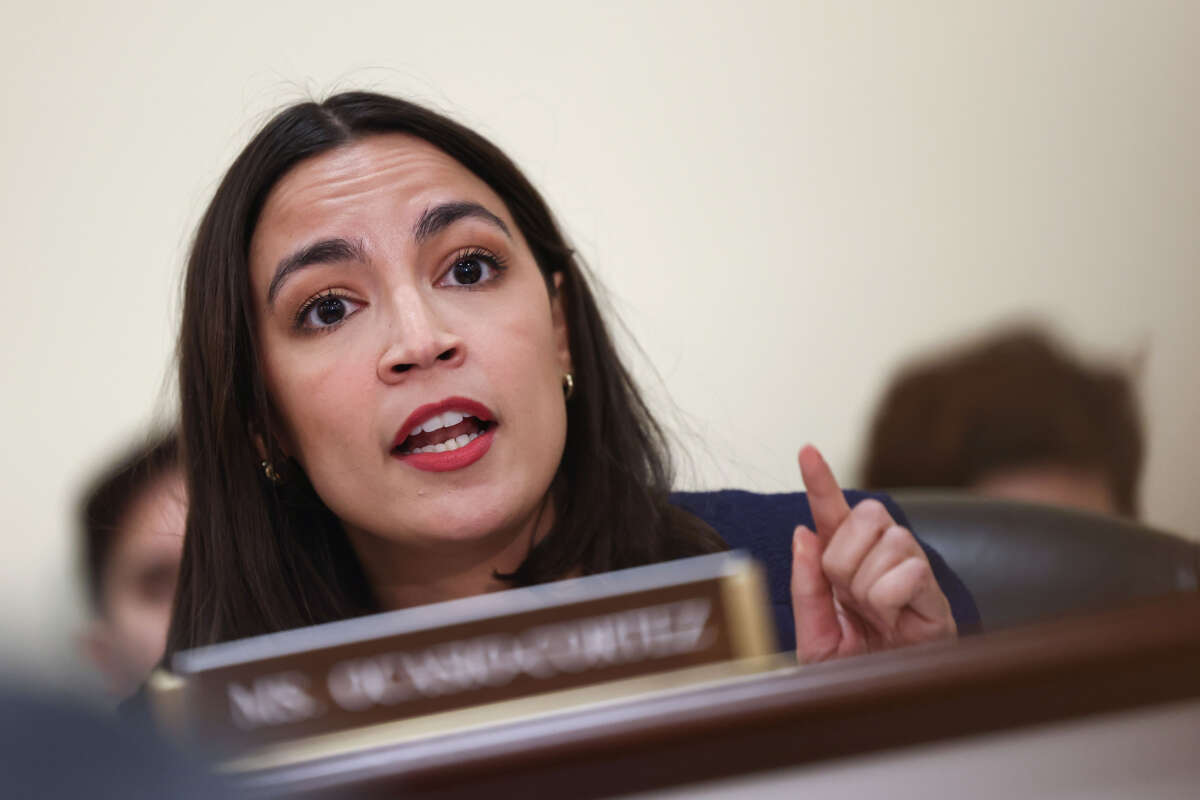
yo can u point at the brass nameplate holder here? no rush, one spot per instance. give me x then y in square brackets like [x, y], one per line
[448, 659]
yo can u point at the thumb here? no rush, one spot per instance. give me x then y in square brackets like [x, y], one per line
[818, 631]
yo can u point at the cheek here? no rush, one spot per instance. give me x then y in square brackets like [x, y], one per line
[321, 390]
[140, 626]
[524, 364]
[520, 352]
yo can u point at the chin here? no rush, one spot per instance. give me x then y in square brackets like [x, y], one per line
[460, 520]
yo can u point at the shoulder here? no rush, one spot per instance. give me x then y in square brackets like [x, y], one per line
[742, 517]
[762, 524]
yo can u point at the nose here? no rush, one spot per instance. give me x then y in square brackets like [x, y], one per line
[418, 339]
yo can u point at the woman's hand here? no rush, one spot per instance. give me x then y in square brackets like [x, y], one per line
[860, 583]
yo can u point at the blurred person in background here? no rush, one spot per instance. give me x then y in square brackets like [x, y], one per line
[132, 519]
[1011, 416]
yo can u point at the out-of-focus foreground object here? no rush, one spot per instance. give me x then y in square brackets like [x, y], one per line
[1025, 562]
[51, 747]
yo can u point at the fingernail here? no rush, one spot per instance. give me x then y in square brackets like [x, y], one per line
[796, 534]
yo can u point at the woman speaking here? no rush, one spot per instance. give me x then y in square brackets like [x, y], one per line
[397, 389]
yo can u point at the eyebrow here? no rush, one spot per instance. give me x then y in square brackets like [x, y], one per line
[329, 251]
[437, 218]
[326, 251]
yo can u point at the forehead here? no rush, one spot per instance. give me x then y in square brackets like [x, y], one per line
[398, 172]
[154, 522]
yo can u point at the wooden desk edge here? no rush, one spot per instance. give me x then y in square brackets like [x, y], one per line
[1055, 671]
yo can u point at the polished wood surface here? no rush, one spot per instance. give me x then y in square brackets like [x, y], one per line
[1133, 658]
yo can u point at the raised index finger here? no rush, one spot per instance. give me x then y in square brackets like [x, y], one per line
[825, 498]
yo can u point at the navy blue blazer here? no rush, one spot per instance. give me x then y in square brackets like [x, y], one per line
[762, 524]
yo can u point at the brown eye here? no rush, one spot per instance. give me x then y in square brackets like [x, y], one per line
[468, 271]
[326, 310]
[330, 310]
[473, 268]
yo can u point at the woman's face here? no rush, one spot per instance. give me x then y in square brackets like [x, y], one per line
[409, 344]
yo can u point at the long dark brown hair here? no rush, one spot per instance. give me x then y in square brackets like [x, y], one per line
[260, 556]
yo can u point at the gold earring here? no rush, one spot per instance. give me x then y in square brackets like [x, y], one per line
[568, 381]
[269, 470]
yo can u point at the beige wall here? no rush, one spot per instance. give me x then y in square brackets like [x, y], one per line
[783, 200]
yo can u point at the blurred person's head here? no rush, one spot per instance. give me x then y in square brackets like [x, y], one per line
[1011, 416]
[133, 518]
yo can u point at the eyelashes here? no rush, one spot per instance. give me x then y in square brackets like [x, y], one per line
[325, 310]
[472, 268]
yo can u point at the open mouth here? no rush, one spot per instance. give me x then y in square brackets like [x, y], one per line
[443, 432]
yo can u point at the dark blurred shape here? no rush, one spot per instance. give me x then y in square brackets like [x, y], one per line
[1012, 415]
[1025, 562]
[132, 520]
[50, 748]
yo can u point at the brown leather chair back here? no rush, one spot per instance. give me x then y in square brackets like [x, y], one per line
[1025, 562]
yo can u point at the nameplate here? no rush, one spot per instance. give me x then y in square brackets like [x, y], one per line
[471, 652]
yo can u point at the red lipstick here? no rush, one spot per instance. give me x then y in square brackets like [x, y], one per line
[461, 455]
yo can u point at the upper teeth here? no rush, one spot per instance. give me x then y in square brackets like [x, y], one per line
[439, 421]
